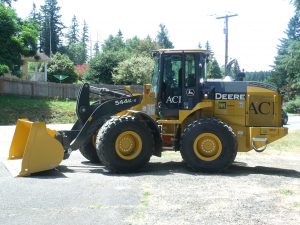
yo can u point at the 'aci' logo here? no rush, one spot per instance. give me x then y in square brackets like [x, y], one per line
[173, 99]
[265, 108]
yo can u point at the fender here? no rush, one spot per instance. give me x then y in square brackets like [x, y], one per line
[154, 129]
[183, 114]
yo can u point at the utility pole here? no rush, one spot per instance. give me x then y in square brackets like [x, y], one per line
[226, 37]
[50, 38]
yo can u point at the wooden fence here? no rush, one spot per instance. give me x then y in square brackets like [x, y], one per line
[10, 86]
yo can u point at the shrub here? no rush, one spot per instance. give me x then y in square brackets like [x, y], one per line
[3, 69]
[135, 70]
[61, 65]
[292, 106]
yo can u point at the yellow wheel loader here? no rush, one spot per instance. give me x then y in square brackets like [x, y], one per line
[208, 121]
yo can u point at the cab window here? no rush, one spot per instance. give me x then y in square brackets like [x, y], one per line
[190, 72]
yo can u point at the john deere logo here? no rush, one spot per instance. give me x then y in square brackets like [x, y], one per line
[190, 92]
[230, 96]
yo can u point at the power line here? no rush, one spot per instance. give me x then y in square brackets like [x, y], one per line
[226, 37]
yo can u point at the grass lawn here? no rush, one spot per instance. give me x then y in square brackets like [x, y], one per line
[63, 111]
[289, 143]
[36, 109]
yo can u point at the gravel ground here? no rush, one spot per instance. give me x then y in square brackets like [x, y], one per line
[255, 190]
[258, 189]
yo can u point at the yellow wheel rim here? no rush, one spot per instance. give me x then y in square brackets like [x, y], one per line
[207, 146]
[128, 145]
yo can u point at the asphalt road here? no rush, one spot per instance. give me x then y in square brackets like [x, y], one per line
[258, 189]
[77, 192]
[293, 122]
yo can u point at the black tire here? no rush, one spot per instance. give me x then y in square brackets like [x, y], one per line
[89, 151]
[135, 142]
[208, 145]
[284, 117]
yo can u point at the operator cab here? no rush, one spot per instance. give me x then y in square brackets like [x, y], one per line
[177, 80]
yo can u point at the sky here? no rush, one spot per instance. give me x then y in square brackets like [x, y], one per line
[253, 35]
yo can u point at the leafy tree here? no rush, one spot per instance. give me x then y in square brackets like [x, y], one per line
[135, 70]
[61, 65]
[115, 51]
[143, 47]
[73, 33]
[17, 37]
[102, 65]
[28, 38]
[51, 27]
[162, 37]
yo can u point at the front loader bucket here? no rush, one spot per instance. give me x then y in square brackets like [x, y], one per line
[33, 149]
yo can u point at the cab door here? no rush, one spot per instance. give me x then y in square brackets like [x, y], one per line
[190, 85]
[170, 96]
[180, 83]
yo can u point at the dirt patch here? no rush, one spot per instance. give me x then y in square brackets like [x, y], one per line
[257, 189]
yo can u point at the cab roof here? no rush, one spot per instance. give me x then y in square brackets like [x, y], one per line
[173, 50]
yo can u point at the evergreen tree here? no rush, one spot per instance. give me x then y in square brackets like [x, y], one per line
[34, 15]
[146, 46]
[85, 39]
[207, 46]
[297, 4]
[73, 34]
[261, 76]
[114, 43]
[96, 48]
[77, 53]
[35, 18]
[162, 37]
[215, 71]
[286, 72]
[51, 27]
[293, 31]
[8, 2]
[120, 34]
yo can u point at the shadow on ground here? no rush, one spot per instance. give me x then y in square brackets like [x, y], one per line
[167, 168]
